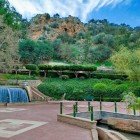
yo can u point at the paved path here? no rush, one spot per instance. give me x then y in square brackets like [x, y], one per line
[39, 122]
[53, 130]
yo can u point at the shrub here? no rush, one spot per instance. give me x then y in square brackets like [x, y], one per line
[64, 77]
[118, 81]
[85, 89]
[54, 25]
[121, 88]
[77, 94]
[100, 87]
[99, 90]
[136, 91]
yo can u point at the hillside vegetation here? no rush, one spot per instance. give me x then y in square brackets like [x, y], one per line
[45, 38]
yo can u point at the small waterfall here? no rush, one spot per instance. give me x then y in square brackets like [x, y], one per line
[9, 96]
[13, 95]
[4, 95]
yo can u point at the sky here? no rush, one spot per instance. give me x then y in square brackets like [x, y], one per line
[115, 11]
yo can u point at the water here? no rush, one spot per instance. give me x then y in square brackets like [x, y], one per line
[13, 95]
[127, 135]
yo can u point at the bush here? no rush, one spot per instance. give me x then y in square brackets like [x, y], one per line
[121, 88]
[100, 87]
[99, 90]
[64, 77]
[54, 25]
[85, 89]
[136, 91]
[118, 81]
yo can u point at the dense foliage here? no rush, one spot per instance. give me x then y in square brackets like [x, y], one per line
[35, 51]
[68, 67]
[128, 62]
[80, 89]
[12, 29]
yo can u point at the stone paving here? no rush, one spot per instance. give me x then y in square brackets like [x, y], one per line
[13, 127]
[39, 122]
[11, 109]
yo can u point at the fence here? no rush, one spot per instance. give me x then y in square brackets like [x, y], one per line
[75, 108]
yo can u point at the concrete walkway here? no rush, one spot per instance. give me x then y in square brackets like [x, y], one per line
[52, 130]
[39, 122]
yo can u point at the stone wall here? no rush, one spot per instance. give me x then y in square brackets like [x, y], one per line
[81, 122]
[104, 134]
[97, 133]
[127, 125]
[33, 83]
[124, 122]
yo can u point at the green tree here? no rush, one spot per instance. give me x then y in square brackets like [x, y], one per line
[35, 52]
[132, 101]
[99, 53]
[44, 51]
[71, 53]
[27, 51]
[8, 46]
[128, 62]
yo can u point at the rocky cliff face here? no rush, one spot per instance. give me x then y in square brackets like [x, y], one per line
[43, 26]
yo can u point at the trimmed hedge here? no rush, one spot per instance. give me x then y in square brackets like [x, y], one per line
[109, 76]
[32, 67]
[68, 67]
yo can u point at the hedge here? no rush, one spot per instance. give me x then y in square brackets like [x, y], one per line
[83, 89]
[32, 67]
[68, 67]
[109, 76]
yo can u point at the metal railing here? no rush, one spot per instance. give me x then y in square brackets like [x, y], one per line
[74, 109]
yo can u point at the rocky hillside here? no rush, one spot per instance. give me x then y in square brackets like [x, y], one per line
[44, 26]
[45, 38]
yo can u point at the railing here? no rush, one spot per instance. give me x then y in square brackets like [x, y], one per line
[74, 108]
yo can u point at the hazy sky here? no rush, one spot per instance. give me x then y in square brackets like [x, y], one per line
[117, 11]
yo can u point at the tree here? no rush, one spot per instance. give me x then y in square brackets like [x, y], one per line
[87, 45]
[56, 46]
[35, 52]
[27, 51]
[99, 53]
[44, 51]
[71, 53]
[128, 62]
[8, 46]
[132, 101]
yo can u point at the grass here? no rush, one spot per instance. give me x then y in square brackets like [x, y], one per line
[15, 77]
